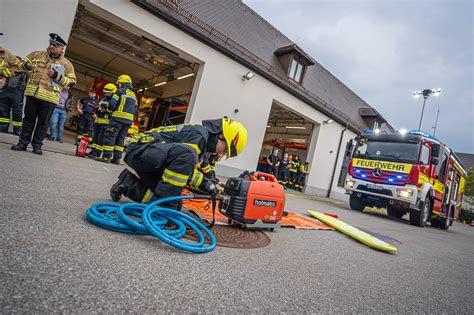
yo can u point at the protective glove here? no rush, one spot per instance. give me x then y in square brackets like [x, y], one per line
[211, 188]
[212, 177]
[56, 76]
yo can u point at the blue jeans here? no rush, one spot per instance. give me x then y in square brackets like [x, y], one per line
[58, 115]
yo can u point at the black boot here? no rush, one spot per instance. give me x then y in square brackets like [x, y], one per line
[115, 161]
[37, 150]
[128, 185]
[102, 159]
[19, 147]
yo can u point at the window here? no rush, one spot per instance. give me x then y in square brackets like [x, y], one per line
[296, 70]
[388, 151]
[441, 167]
[425, 155]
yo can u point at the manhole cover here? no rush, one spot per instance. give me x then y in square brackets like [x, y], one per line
[235, 237]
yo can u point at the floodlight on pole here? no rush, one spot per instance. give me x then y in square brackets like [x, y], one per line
[425, 93]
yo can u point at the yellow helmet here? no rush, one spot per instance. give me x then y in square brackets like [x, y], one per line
[124, 79]
[235, 135]
[109, 88]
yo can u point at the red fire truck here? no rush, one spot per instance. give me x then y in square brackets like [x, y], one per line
[406, 172]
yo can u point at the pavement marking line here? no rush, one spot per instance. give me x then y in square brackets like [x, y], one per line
[106, 169]
[298, 196]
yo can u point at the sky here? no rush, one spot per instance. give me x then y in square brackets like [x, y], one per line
[384, 50]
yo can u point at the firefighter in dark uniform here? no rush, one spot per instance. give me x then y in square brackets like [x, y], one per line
[283, 170]
[165, 159]
[86, 108]
[11, 98]
[122, 105]
[12, 87]
[274, 161]
[102, 120]
[303, 170]
[294, 166]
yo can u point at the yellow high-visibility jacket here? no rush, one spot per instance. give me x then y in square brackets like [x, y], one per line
[40, 85]
[8, 63]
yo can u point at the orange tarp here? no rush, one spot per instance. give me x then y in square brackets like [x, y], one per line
[301, 222]
[203, 209]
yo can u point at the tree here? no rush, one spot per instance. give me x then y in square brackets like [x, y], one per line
[469, 188]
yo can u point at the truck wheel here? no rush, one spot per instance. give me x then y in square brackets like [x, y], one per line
[395, 212]
[435, 223]
[445, 223]
[356, 203]
[419, 217]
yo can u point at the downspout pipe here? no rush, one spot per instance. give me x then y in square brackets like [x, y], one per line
[335, 162]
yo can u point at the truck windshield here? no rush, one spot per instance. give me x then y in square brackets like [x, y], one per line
[392, 151]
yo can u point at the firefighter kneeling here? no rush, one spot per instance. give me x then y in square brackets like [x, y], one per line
[165, 159]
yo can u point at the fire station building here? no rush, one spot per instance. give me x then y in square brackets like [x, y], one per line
[198, 59]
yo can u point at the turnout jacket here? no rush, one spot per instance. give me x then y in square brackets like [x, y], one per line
[8, 63]
[194, 136]
[303, 169]
[122, 105]
[102, 111]
[294, 166]
[40, 85]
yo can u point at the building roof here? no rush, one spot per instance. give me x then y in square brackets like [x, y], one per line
[293, 48]
[467, 159]
[236, 30]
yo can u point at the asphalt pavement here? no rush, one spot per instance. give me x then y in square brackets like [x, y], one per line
[53, 260]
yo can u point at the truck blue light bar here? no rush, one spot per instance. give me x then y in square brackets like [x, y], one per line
[421, 133]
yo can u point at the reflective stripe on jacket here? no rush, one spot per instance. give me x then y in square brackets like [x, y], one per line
[8, 63]
[123, 104]
[294, 166]
[102, 112]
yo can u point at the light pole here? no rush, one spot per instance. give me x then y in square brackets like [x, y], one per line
[426, 93]
[436, 123]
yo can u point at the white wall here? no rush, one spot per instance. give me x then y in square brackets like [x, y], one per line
[26, 24]
[218, 90]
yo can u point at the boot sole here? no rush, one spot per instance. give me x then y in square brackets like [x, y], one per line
[113, 194]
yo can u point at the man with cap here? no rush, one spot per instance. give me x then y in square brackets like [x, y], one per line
[50, 72]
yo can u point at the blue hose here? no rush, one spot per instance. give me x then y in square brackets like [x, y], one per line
[154, 218]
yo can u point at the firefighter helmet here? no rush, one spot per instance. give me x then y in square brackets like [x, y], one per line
[124, 79]
[109, 88]
[235, 135]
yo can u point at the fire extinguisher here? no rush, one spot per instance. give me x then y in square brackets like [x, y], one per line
[82, 147]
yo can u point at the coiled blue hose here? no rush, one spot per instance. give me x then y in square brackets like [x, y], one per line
[116, 217]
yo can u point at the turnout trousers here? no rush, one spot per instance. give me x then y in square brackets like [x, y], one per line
[163, 170]
[293, 178]
[85, 126]
[98, 139]
[114, 138]
[301, 181]
[37, 114]
[11, 99]
[274, 170]
[283, 176]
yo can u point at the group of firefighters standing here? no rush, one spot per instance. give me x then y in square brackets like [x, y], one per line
[107, 121]
[289, 169]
